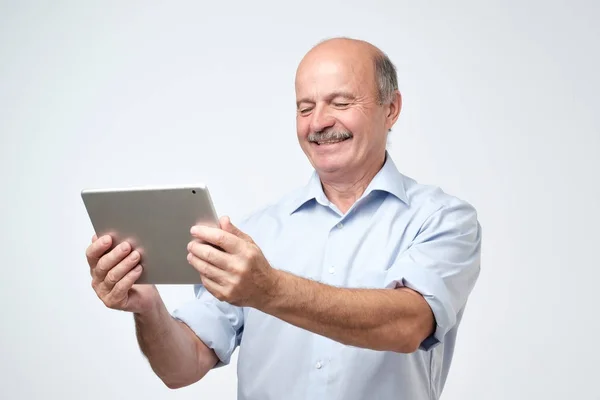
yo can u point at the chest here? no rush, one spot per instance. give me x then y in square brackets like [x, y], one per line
[355, 250]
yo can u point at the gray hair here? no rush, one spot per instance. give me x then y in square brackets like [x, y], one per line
[386, 77]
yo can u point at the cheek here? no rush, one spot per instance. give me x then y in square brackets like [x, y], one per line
[355, 122]
[302, 127]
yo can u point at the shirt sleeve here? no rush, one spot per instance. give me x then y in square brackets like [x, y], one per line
[442, 264]
[218, 324]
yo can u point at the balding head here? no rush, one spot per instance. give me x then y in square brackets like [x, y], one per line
[347, 101]
[384, 72]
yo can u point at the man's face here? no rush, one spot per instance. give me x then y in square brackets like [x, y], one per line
[341, 126]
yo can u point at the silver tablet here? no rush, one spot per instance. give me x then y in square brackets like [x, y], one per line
[157, 222]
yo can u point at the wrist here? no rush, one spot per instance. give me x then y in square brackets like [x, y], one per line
[152, 310]
[275, 290]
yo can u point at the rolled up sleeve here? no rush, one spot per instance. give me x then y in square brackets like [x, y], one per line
[218, 324]
[442, 264]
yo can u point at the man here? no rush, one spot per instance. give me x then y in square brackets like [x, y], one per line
[352, 287]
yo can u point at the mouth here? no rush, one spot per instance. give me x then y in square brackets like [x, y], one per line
[330, 142]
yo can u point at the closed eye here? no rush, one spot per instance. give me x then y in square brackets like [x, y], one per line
[305, 110]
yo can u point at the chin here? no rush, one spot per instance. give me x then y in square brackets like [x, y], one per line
[329, 163]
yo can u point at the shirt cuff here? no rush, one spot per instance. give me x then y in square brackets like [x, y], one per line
[216, 323]
[432, 287]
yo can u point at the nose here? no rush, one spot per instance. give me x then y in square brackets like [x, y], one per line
[321, 120]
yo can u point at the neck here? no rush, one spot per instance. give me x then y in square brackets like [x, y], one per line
[343, 191]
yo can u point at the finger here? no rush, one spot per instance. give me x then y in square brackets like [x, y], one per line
[227, 226]
[97, 249]
[115, 274]
[209, 254]
[213, 287]
[121, 289]
[217, 237]
[94, 238]
[215, 274]
[110, 260]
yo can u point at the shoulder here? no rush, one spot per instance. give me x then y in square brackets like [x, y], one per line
[434, 204]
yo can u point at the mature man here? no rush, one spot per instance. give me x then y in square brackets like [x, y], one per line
[352, 287]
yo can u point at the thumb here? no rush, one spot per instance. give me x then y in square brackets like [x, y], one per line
[227, 226]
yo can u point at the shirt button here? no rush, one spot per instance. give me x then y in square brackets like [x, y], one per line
[340, 225]
[331, 270]
[318, 365]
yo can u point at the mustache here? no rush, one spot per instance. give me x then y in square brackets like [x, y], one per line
[329, 134]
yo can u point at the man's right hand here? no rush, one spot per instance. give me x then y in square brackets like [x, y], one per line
[175, 353]
[114, 274]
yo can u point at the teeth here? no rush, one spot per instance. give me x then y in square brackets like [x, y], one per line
[330, 142]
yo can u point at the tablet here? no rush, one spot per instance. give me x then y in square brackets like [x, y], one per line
[156, 221]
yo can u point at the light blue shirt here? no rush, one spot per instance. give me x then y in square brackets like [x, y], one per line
[399, 233]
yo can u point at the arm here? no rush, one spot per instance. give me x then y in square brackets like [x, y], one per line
[175, 353]
[433, 279]
[427, 285]
[380, 319]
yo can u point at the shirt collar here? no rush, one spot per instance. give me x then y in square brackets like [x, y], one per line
[388, 180]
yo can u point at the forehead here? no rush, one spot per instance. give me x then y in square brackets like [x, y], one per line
[318, 76]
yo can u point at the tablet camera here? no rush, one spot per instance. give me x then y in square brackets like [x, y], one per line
[193, 191]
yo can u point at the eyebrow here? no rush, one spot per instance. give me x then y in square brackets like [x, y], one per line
[330, 96]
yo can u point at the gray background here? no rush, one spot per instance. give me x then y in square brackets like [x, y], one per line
[500, 108]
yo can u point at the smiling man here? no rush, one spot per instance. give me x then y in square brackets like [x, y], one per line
[352, 287]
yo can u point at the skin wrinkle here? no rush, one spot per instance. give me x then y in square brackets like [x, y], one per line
[342, 65]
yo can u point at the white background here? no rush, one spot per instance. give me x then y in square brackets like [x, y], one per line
[500, 108]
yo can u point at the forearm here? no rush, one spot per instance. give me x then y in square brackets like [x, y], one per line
[379, 319]
[175, 354]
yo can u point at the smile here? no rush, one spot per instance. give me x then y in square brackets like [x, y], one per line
[333, 141]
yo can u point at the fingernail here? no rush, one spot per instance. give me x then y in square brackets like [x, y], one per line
[125, 246]
[105, 240]
[138, 268]
[194, 230]
[135, 255]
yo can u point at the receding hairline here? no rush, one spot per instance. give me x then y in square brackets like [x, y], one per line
[386, 79]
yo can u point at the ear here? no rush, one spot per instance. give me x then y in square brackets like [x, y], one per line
[394, 108]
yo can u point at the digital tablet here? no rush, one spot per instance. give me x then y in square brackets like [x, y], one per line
[157, 222]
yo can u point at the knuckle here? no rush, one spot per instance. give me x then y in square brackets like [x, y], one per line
[256, 252]
[242, 268]
[220, 239]
[88, 252]
[251, 253]
[119, 293]
[106, 301]
[209, 254]
[236, 280]
[119, 287]
[101, 267]
[199, 265]
[111, 279]
[203, 267]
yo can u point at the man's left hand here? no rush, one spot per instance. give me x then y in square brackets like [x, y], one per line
[231, 266]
